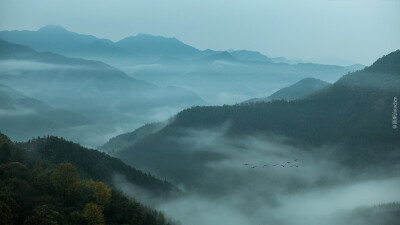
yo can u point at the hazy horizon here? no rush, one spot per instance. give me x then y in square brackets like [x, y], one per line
[354, 30]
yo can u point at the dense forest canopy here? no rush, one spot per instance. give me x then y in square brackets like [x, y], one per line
[39, 187]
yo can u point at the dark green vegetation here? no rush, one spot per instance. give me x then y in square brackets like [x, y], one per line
[299, 90]
[39, 185]
[351, 114]
[92, 164]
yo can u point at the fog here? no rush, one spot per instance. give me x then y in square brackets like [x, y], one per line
[80, 102]
[288, 184]
[220, 82]
[98, 74]
[99, 101]
[15, 65]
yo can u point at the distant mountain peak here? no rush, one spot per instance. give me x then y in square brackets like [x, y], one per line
[53, 28]
[247, 55]
[147, 44]
[147, 37]
[222, 56]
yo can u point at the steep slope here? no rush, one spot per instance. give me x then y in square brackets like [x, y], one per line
[10, 50]
[58, 39]
[223, 56]
[38, 186]
[299, 90]
[91, 88]
[144, 45]
[93, 164]
[24, 117]
[347, 114]
[124, 140]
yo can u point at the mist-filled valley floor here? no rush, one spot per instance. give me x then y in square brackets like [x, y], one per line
[149, 130]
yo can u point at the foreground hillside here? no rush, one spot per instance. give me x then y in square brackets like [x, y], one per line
[42, 188]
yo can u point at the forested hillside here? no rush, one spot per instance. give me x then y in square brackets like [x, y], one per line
[356, 118]
[39, 186]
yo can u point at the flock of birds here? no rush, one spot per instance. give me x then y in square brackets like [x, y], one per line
[287, 164]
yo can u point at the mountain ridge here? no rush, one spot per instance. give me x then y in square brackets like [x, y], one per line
[356, 118]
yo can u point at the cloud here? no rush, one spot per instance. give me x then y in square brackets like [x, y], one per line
[315, 192]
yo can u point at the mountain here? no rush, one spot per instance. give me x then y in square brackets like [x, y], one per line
[356, 67]
[50, 77]
[10, 50]
[49, 180]
[169, 62]
[223, 56]
[24, 117]
[127, 139]
[332, 61]
[56, 150]
[93, 89]
[144, 45]
[58, 39]
[350, 113]
[253, 56]
[285, 60]
[382, 74]
[299, 90]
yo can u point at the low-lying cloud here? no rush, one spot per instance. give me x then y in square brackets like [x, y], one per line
[263, 180]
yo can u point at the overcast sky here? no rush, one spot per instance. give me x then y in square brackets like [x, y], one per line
[357, 30]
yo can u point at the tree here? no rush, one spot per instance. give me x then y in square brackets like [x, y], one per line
[6, 214]
[93, 214]
[43, 215]
[5, 153]
[101, 193]
[64, 178]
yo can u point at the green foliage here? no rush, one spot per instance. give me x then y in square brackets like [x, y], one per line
[65, 176]
[93, 214]
[19, 194]
[92, 164]
[41, 194]
[5, 153]
[43, 215]
[101, 193]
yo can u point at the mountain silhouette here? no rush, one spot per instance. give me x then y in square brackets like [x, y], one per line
[299, 90]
